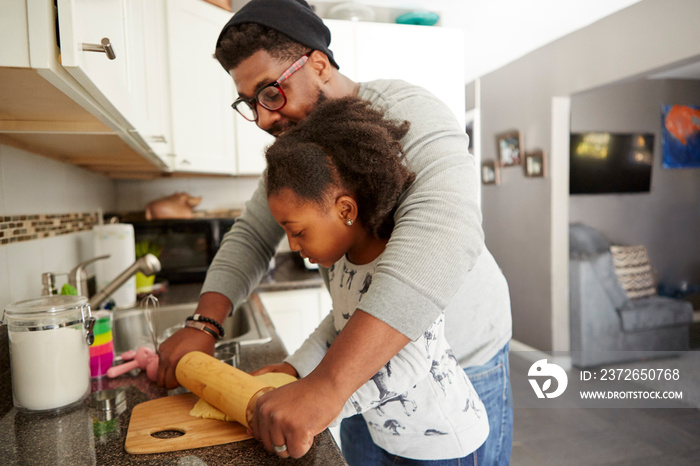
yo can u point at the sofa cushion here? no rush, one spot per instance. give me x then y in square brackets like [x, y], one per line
[586, 242]
[633, 270]
[655, 312]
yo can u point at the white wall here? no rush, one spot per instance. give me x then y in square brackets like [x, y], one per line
[31, 184]
[518, 218]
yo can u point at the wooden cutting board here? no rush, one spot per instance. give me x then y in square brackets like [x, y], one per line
[172, 413]
[221, 385]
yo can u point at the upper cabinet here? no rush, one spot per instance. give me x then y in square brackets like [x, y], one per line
[251, 142]
[201, 92]
[424, 56]
[208, 135]
[44, 109]
[130, 88]
[150, 64]
[95, 40]
[148, 73]
[116, 50]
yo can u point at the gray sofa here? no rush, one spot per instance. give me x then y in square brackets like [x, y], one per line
[606, 326]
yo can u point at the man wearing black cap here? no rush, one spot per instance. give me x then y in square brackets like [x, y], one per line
[277, 54]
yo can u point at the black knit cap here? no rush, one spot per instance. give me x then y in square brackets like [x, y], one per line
[294, 18]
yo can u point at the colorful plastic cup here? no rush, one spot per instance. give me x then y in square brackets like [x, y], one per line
[102, 350]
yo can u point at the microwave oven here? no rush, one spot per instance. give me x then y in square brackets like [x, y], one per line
[187, 245]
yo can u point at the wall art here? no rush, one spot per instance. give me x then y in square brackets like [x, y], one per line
[680, 136]
[489, 172]
[509, 146]
[535, 164]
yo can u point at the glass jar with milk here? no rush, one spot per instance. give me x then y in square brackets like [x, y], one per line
[49, 351]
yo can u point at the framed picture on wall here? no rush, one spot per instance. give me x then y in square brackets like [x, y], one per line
[489, 172]
[509, 147]
[535, 164]
[680, 141]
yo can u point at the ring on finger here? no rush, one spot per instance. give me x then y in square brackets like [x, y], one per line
[281, 448]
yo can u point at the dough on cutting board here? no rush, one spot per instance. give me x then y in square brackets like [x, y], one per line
[206, 411]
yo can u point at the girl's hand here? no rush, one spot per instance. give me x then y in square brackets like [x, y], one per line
[293, 414]
[279, 367]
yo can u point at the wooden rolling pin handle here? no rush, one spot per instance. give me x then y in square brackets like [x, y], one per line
[250, 409]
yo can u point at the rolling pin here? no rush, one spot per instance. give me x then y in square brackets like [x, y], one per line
[231, 390]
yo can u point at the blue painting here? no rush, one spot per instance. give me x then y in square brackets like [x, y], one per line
[681, 136]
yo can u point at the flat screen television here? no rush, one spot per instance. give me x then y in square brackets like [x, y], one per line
[604, 163]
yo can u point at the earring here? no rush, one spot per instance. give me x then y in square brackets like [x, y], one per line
[349, 222]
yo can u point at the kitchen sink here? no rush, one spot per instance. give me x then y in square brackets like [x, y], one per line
[130, 327]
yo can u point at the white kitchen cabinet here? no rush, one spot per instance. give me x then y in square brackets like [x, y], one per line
[46, 110]
[343, 46]
[201, 92]
[129, 83]
[296, 313]
[163, 103]
[86, 24]
[251, 142]
[420, 55]
[148, 66]
[13, 25]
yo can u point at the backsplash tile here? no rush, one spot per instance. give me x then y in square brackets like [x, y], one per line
[20, 228]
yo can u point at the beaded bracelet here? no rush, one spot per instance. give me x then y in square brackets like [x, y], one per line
[202, 327]
[201, 318]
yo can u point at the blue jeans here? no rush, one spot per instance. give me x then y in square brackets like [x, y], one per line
[491, 381]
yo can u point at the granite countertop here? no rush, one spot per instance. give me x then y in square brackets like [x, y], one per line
[290, 273]
[85, 435]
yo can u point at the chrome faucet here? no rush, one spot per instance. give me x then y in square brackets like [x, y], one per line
[77, 277]
[147, 265]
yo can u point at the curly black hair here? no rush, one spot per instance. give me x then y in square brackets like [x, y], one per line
[344, 143]
[243, 40]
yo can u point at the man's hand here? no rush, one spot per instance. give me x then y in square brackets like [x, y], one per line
[213, 305]
[179, 344]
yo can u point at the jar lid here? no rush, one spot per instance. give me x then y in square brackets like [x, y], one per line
[45, 305]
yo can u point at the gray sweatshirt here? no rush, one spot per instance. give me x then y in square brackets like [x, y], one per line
[436, 255]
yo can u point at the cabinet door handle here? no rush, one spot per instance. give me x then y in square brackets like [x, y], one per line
[105, 46]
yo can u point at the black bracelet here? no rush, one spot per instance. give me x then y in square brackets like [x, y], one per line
[201, 318]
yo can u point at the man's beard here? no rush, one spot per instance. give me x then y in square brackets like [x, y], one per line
[278, 128]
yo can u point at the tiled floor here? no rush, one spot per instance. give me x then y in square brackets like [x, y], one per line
[602, 436]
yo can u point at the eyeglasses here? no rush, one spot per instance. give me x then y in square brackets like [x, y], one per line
[270, 96]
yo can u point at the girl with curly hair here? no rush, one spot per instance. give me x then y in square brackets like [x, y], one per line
[333, 183]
